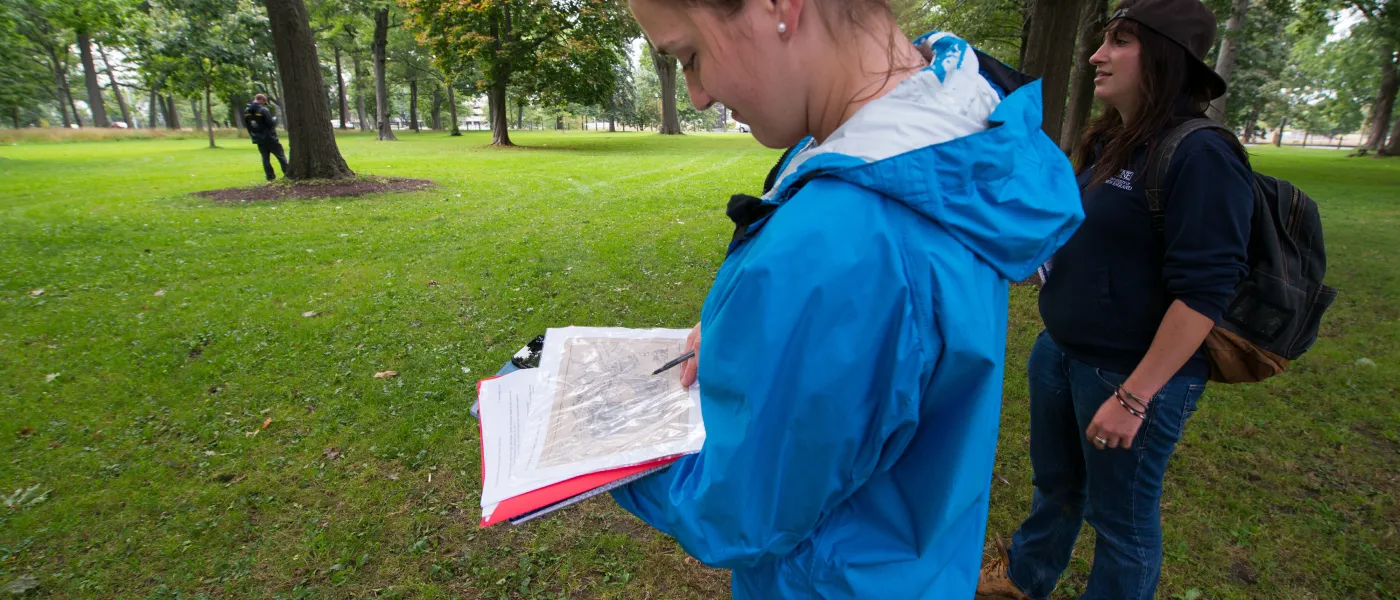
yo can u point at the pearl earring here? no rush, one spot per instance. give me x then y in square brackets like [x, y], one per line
[782, 27]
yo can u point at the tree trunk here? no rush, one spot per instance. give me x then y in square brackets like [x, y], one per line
[60, 84]
[1225, 60]
[72, 105]
[1393, 148]
[1049, 56]
[1305, 138]
[452, 110]
[520, 113]
[14, 114]
[173, 112]
[1385, 101]
[340, 91]
[1250, 123]
[436, 113]
[381, 87]
[234, 110]
[360, 94]
[1278, 133]
[65, 92]
[1081, 95]
[94, 89]
[164, 111]
[413, 104]
[1028, 15]
[314, 154]
[612, 115]
[116, 89]
[209, 118]
[666, 72]
[194, 110]
[500, 136]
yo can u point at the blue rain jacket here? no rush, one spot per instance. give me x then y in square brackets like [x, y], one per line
[851, 369]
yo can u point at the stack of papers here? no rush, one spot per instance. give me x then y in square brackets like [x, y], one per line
[592, 417]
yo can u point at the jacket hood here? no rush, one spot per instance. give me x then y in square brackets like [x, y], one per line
[945, 144]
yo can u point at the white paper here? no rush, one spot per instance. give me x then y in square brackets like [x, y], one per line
[592, 405]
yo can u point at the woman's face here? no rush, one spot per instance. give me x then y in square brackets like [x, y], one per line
[741, 61]
[1118, 70]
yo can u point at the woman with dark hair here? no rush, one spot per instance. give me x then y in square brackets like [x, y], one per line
[1119, 367]
[854, 338]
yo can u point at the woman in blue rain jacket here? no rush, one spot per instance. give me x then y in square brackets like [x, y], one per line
[851, 370]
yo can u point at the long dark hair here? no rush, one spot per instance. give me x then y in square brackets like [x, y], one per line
[1169, 96]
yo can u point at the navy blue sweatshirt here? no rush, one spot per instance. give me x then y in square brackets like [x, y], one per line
[1111, 285]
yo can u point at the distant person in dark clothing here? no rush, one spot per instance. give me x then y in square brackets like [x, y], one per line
[262, 127]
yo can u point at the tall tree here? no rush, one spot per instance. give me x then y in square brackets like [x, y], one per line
[558, 50]
[1385, 100]
[1225, 59]
[37, 23]
[1049, 55]
[116, 89]
[314, 154]
[381, 85]
[94, 89]
[665, 66]
[360, 92]
[1081, 94]
[340, 91]
[1392, 148]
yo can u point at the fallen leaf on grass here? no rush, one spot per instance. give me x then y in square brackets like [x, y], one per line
[160, 292]
[310, 313]
[24, 498]
[22, 585]
[50, 377]
[432, 283]
[393, 476]
[386, 374]
[38, 292]
[25, 431]
[331, 453]
[267, 422]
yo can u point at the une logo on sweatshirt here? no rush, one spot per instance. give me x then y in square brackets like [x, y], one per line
[1124, 180]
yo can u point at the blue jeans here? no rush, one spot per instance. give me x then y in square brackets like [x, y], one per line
[1117, 491]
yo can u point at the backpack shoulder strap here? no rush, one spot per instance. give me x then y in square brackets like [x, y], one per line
[1161, 159]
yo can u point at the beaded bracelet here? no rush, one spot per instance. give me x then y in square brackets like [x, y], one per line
[1141, 414]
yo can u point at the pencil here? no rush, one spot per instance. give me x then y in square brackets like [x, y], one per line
[675, 361]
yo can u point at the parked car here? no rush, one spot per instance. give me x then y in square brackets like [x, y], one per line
[118, 125]
[744, 128]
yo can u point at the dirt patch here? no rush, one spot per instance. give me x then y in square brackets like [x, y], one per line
[1243, 572]
[1375, 437]
[325, 188]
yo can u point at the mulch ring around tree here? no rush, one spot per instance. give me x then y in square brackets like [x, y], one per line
[283, 189]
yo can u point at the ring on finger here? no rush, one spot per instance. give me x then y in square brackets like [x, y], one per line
[1101, 441]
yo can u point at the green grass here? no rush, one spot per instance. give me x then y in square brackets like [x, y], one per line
[162, 484]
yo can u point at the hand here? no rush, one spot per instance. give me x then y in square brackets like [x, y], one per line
[691, 368]
[1114, 425]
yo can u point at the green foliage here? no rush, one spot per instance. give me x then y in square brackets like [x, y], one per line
[555, 51]
[993, 26]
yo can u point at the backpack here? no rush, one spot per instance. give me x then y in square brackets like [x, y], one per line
[1274, 315]
[253, 118]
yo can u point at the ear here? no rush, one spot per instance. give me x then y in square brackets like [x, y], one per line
[789, 12]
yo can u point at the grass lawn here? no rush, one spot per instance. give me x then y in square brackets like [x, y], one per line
[137, 389]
